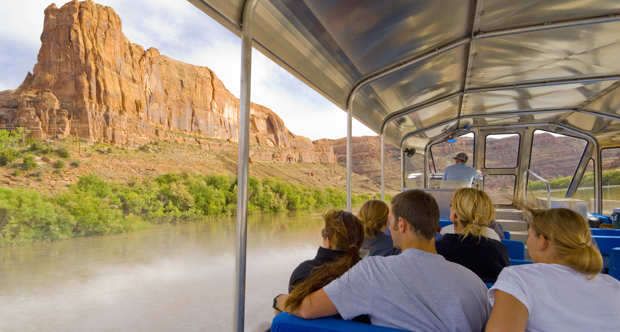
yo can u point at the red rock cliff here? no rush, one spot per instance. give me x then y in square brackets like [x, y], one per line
[92, 82]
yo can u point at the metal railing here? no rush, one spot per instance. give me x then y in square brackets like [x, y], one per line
[543, 181]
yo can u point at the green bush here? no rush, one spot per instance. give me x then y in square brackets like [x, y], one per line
[62, 153]
[75, 163]
[59, 164]
[94, 207]
[8, 155]
[27, 216]
[28, 163]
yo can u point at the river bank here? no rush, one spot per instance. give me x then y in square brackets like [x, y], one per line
[93, 206]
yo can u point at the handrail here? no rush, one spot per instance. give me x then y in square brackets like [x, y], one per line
[543, 181]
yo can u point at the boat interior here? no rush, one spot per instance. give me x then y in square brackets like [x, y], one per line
[428, 72]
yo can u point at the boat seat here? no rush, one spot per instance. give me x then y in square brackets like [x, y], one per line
[455, 184]
[605, 231]
[614, 263]
[519, 261]
[516, 249]
[605, 244]
[285, 322]
[444, 222]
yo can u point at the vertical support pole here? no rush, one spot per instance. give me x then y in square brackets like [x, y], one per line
[242, 171]
[382, 168]
[402, 169]
[598, 180]
[349, 156]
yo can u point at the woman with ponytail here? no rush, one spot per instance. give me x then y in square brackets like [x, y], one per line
[562, 290]
[342, 237]
[374, 216]
[472, 211]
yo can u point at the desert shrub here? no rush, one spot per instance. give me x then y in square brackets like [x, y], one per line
[62, 153]
[59, 164]
[28, 163]
[8, 155]
[75, 163]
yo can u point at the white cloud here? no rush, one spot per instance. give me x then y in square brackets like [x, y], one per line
[183, 32]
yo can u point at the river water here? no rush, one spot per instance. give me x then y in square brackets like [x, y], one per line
[166, 278]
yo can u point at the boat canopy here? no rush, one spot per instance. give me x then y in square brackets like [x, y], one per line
[416, 70]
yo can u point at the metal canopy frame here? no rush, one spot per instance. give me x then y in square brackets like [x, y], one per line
[239, 15]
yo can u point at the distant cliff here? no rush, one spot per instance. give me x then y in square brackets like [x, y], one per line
[90, 81]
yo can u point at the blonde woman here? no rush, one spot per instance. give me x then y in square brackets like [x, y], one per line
[374, 216]
[562, 290]
[472, 211]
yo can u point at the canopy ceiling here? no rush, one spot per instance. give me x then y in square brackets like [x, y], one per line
[417, 69]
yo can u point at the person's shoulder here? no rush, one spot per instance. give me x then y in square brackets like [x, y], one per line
[447, 241]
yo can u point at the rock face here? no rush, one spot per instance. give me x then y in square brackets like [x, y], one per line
[90, 81]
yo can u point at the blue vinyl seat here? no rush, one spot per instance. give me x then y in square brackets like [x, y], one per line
[605, 231]
[506, 235]
[519, 261]
[285, 322]
[614, 263]
[605, 244]
[444, 222]
[516, 249]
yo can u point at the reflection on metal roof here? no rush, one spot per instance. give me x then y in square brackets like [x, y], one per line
[416, 69]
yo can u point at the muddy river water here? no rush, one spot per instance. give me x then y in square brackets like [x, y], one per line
[167, 278]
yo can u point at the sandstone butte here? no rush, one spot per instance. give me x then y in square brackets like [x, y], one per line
[91, 82]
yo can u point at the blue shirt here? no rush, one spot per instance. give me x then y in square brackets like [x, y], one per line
[415, 290]
[460, 172]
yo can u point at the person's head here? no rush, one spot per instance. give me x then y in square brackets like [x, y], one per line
[343, 230]
[563, 236]
[471, 210]
[373, 215]
[460, 157]
[413, 211]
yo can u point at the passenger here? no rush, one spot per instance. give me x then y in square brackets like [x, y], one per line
[463, 208]
[472, 211]
[563, 290]
[342, 237]
[459, 171]
[374, 216]
[416, 290]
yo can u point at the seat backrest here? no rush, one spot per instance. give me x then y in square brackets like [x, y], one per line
[519, 261]
[443, 223]
[516, 249]
[605, 231]
[606, 242]
[614, 263]
[455, 184]
[506, 235]
[285, 322]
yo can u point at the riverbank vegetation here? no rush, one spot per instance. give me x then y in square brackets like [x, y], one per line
[610, 178]
[93, 206]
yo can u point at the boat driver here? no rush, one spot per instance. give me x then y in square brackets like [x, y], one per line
[459, 171]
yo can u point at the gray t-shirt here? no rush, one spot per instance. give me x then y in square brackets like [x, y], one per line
[415, 290]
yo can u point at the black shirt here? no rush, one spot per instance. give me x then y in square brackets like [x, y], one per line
[304, 269]
[381, 245]
[484, 256]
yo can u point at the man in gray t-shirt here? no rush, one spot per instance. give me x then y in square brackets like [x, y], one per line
[416, 290]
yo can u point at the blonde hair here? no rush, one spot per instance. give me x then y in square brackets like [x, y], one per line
[570, 234]
[373, 215]
[474, 210]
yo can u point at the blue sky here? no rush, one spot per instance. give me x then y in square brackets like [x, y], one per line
[181, 31]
